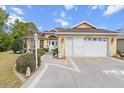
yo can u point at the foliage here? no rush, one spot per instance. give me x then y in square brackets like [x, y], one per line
[3, 20]
[25, 61]
[28, 60]
[17, 45]
[55, 52]
[20, 29]
[5, 41]
[46, 49]
[121, 53]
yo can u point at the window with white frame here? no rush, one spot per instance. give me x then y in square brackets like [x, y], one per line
[32, 43]
[41, 43]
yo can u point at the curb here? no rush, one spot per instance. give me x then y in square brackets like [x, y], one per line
[116, 59]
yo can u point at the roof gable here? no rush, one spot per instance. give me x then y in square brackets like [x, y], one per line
[84, 25]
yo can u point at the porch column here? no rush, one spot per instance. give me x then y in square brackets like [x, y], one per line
[28, 43]
[60, 46]
[45, 43]
[38, 43]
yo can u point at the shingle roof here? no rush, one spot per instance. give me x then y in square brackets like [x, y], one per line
[82, 30]
[31, 35]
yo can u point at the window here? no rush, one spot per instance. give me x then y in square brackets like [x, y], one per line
[41, 43]
[99, 39]
[32, 43]
[104, 39]
[87, 39]
[94, 39]
[52, 42]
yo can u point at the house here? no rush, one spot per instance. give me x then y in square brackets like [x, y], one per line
[120, 40]
[82, 39]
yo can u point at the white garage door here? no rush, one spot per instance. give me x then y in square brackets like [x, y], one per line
[78, 46]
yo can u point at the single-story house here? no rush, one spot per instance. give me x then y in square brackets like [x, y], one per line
[120, 40]
[82, 39]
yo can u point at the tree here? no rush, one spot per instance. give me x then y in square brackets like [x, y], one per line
[17, 45]
[3, 20]
[20, 29]
[5, 39]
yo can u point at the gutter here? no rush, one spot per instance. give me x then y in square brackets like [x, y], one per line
[82, 33]
[86, 33]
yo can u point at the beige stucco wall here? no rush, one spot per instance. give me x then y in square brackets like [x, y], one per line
[111, 43]
[29, 43]
[83, 25]
[61, 45]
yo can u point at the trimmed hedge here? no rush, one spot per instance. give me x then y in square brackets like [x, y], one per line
[46, 49]
[25, 61]
[28, 60]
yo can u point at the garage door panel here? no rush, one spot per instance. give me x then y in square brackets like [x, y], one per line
[68, 46]
[96, 48]
[78, 46]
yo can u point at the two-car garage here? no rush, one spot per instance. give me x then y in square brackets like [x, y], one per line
[86, 46]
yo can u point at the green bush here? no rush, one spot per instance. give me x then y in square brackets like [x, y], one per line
[55, 52]
[25, 61]
[28, 60]
[46, 49]
[5, 41]
[40, 52]
[17, 45]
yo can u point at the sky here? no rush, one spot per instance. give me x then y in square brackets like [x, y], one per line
[47, 17]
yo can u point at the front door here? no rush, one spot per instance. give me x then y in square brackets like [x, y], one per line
[52, 44]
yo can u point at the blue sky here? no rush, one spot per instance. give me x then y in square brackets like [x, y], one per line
[51, 16]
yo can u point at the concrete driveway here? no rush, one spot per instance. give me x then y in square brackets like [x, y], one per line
[84, 72]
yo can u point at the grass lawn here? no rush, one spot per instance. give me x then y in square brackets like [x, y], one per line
[7, 76]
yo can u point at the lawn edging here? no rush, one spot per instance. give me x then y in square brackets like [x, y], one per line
[29, 80]
[18, 74]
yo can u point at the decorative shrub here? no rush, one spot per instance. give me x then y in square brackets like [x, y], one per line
[55, 52]
[25, 61]
[17, 45]
[46, 49]
[28, 60]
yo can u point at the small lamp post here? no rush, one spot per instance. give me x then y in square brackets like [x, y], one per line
[36, 38]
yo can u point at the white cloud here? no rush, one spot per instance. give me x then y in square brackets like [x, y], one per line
[62, 22]
[103, 27]
[76, 8]
[69, 7]
[63, 14]
[93, 7]
[13, 17]
[113, 9]
[54, 13]
[29, 6]
[39, 27]
[3, 7]
[18, 10]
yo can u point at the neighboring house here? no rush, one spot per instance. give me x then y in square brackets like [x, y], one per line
[82, 39]
[120, 40]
